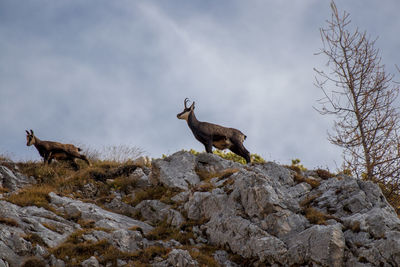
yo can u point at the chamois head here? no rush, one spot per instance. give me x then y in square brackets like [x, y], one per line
[30, 138]
[184, 115]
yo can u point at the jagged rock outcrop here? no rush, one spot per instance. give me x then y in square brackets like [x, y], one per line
[259, 215]
[178, 257]
[155, 211]
[176, 171]
[89, 211]
[13, 180]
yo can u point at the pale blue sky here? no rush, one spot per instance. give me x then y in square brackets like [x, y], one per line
[116, 72]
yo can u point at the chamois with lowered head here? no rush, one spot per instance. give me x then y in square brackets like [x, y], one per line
[210, 134]
[53, 150]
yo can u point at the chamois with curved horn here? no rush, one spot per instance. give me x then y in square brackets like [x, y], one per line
[210, 134]
[53, 150]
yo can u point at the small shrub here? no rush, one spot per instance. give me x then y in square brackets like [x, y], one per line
[392, 195]
[255, 158]
[296, 166]
[324, 174]
[314, 216]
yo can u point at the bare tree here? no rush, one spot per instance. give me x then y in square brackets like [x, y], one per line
[361, 95]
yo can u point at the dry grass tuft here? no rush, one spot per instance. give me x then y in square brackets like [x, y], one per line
[157, 192]
[204, 187]
[392, 195]
[356, 227]
[36, 195]
[8, 221]
[203, 255]
[124, 184]
[145, 256]
[315, 217]
[75, 250]
[3, 190]
[86, 224]
[163, 231]
[301, 179]
[82, 250]
[33, 262]
[53, 228]
[324, 174]
[309, 199]
[208, 175]
[34, 239]
[236, 258]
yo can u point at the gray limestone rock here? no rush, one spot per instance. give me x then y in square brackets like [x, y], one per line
[321, 245]
[91, 262]
[156, 211]
[245, 238]
[175, 171]
[13, 180]
[180, 257]
[209, 165]
[89, 211]
[257, 211]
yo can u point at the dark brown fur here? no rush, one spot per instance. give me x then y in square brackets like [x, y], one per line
[210, 134]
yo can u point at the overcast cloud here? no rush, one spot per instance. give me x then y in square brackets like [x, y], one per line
[116, 72]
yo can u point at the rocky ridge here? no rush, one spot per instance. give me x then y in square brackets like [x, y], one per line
[239, 215]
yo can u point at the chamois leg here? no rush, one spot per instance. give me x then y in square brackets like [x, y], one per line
[83, 157]
[74, 164]
[208, 146]
[240, 150]
[47, 158]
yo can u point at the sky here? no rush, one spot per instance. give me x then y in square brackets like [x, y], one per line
[109, 73]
